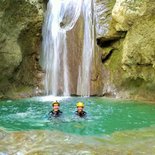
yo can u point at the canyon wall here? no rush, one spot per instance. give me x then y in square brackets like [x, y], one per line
[124, 60]
[126, 35]
[20, 44]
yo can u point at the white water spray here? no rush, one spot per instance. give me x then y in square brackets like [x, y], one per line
[83, 87]
[61, 17]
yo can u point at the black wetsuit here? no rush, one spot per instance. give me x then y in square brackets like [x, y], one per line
[55, 113]
[81, 114]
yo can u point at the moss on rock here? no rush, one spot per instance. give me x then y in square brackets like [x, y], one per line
[20, 28]
[129, 71]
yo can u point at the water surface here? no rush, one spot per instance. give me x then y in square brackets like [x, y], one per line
[104, 116]
[112, 127]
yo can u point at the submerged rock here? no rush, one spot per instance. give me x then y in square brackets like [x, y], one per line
[39, 142]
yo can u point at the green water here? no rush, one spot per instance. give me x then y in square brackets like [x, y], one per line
[105, 116]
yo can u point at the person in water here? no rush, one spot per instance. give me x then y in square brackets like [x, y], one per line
[55, 112]
[80, 110]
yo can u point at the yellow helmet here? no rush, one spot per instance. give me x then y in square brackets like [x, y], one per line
[56, 103]
[80, 104]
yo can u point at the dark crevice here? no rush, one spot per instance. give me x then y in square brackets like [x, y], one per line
[107, 57]
[140, 65]
[109, 40]
[105, 43]
[147, 64]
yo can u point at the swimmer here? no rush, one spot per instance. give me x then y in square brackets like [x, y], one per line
[80, 112]
[55, 112]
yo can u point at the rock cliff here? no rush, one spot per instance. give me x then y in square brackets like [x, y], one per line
[127, 38]
[20, 39]
[125, 51]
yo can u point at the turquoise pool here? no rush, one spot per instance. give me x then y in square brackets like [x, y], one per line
[104, 116]
[112, 127]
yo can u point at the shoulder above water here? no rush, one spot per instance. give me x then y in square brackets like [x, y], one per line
[81, 114]
[55, 114]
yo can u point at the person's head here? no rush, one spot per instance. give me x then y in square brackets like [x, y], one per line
[80, 106]
[56, 106]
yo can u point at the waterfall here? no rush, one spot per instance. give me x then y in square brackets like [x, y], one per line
[84, 78]
[61, 16]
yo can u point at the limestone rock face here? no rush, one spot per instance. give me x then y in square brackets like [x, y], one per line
[126, 12]
[103, 16]
[20, 33]
[129, 59]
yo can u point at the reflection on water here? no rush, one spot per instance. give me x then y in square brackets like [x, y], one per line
[112, 127]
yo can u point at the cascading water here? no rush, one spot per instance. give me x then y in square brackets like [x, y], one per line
[83, 87]
[61, 16]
